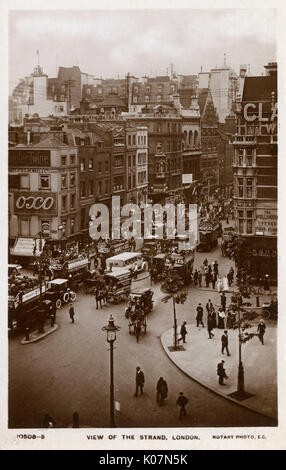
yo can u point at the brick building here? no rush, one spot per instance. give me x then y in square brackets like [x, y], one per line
[255, 174]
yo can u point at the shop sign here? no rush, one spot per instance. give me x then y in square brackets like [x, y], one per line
[35, 202]
[29, 158]
[266, 221]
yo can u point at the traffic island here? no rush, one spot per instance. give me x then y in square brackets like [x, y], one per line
[35, 336]
[201, 356]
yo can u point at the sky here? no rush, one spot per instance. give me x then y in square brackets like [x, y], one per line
[110, 43]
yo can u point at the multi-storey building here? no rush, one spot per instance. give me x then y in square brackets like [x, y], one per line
[209, 142]
[223, 84]
[43, 194]
[137, 164]
[165, 163]
[31, 97]
[255, 174]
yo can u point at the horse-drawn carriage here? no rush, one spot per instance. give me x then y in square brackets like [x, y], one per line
[139, 305]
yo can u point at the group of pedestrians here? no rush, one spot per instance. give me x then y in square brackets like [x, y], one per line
[161, 391]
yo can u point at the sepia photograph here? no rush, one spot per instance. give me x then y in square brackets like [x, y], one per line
[141, 173]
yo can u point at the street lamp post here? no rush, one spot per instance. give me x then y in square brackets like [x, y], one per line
[111, 330]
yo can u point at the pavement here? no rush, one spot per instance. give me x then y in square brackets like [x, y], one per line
[201, 355]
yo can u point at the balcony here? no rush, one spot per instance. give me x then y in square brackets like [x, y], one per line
[244, 140]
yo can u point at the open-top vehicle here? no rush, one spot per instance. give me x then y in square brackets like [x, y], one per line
[58, 292]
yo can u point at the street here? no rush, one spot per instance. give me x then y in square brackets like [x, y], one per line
[68, 370]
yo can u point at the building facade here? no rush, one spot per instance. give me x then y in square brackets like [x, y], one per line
[43, 194]
[255, 174]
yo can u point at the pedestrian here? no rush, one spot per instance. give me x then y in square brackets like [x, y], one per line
[210, 326]
[182, 402]
[210, 269]
[221, 319]
[104, 295]
[229, 278]
[266, 282]
[221, 373]
[207, 278]
[209, 305]
[213, 279]
[223, 300]
[199, 317]
[196, 276]
[139, 380]
[162, 390]
[224, 342]
[72, 312]
[183, 332]
[261, 331]
[200, 279]
[215, 267]
[137, 330]
[48, 422]
[98, 298]
[205, 263]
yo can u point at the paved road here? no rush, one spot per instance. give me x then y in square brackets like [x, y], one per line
[69, 371]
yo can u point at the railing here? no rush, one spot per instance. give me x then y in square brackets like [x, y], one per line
[245, 139]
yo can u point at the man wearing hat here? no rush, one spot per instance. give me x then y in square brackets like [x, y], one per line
[199, 317]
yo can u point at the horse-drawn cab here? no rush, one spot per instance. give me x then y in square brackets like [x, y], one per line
[139, 305]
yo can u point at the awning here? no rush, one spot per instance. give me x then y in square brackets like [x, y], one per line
[25, 247]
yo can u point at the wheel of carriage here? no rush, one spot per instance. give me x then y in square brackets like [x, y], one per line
[66, 297]
[73, 296]
[58, 303]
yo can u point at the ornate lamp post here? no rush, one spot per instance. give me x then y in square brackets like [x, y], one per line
[111, 330]
[39, 237]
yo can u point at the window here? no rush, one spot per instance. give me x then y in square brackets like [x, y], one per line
[147, 99]
[159, 99]
[90, 188]
[82, 165]
[134, 160]
[145, 140]
[106, 186]
[133, 140]
[99, 167]
[72, 225]
[90, 163]
[135, 99]
[118, 183]
[64, 181]
[118, 161]
[129, 139]
[53, 88]
[24, 182]
[82, 188]
[240, 221]
[160, 88]
[249, 188]
[249, 223]
[73, 201]
[72, 179]
[136, 89]
[106, 166]
[64, 203]
[100, 187]
[249, 157]
[148, 89]
[88, 91]
[45, 181]
[240, 187]
[158, 146]
[62, 98]
[72, 159]
[25, 227]
[99, 91]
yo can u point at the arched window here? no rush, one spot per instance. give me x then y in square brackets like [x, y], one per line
[191, 138]
[196, 139]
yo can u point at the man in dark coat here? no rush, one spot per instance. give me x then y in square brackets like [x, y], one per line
[182, 402]
[261, 330]
[196, 276]
[199, 317]
[221, 373]
[223, 300]
[200, 279]
[183, 332]
[213, 279]
[139, 380]
[98, 298]
[210, 326]
[137, 330]
[162, 390]
[72, 313]
[215, 267]
[224, 342]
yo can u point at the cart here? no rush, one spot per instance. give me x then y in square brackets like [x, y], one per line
[139, 305]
